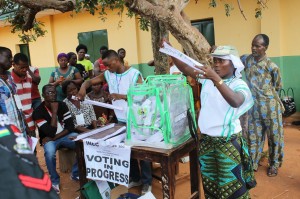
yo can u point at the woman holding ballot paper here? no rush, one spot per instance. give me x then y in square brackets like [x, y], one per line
[225, 163]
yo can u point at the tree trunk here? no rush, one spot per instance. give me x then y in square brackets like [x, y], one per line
[170, 14]
[158, 32]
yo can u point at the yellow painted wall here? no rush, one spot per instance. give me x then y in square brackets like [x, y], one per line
[290, 28]
[144, 43]
[8, 39]
[144, 49]
[279, 22]
[271, 24]
[66, 30]
[41, 51]
[233, 30]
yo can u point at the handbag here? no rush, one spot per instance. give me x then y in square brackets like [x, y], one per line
[288, 102]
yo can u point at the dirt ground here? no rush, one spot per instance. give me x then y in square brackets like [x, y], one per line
[285, 185]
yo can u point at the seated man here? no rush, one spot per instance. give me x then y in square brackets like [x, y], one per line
[56, 128]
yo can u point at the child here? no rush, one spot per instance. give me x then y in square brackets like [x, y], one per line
[103, 115]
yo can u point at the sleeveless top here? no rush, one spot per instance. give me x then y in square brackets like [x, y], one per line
[119, 84]
[69, 74]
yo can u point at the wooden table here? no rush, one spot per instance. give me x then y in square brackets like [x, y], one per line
[166, 157]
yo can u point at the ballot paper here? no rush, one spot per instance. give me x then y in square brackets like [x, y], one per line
[105, 105]
[34, 143]
[93, 132]
[116, 137]
[169, 50]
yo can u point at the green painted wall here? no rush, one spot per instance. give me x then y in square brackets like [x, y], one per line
[45, 76]
[45, 73]
[290, 70]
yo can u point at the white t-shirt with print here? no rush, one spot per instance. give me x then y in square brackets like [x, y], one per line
[217, 117]
[120, 83]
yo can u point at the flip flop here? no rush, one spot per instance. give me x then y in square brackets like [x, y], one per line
[272, 172]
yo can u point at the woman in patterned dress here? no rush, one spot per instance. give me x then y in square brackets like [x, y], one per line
[83, 115]
[63, 73]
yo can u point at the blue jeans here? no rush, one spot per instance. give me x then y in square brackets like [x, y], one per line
[146, 171]
[50, 149]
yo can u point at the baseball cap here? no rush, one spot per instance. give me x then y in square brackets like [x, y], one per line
[225, 50]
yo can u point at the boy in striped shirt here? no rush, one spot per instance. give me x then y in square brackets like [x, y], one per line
[23, 89]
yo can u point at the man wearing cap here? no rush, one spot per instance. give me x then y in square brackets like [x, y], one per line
[226, 167]
[265, 117]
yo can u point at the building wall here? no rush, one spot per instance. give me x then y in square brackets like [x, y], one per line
[278, 22]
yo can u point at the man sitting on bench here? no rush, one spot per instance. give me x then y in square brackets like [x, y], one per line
[56, 127]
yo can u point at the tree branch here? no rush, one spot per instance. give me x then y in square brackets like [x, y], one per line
[182, 4]
[61, 5]
[170, 14]
[263, 4]
[241, 9]
[29, 16]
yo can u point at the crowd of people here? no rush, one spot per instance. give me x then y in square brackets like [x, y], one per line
[228, 152]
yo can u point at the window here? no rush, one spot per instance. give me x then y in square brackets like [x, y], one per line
[206, 27]
[93, 40]
[24, 48]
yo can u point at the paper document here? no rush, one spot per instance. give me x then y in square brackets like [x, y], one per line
[93, 132]
[123, 128]
[34, 143]
[105, 105]
[169, 50]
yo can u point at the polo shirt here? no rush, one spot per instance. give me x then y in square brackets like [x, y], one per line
[23, 90]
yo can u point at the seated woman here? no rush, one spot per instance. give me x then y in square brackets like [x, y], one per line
[104, 115]
[83, 115]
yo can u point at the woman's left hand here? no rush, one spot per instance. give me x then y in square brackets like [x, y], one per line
[206, 72]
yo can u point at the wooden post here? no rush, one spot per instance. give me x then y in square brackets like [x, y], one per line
[67, 158]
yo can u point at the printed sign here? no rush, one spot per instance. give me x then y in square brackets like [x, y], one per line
[107, 162]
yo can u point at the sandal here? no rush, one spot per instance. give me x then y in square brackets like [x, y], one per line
[272, 171]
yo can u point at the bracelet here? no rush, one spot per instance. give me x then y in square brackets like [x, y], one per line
[220, 83]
